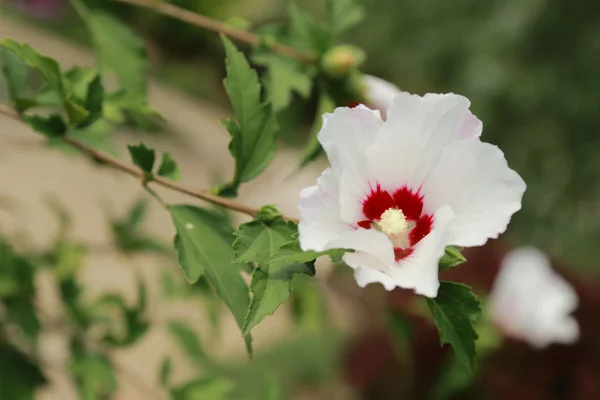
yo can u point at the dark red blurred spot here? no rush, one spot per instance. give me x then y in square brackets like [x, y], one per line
[353, 104]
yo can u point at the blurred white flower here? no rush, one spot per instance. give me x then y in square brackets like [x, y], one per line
[378, 92]
[399, 191]
[531, 302]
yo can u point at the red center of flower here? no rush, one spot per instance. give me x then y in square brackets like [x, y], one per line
[410, 203]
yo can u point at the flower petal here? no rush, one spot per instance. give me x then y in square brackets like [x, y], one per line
[418, 271]
[345, 135]
[379, 92]
[532, 302]
[319, 208]
[474, 179]
[413, 137]
[372, 249]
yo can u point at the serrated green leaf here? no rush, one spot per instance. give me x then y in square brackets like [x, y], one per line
[454, 309]
[142, 156]
[76, 113]
[47, 67]
[254, 133]
[279, 257]
[344, 15]
[204, 246]
[118, 49]
[271, 286]
[189, 342]
[451, 258]
[313, 147]
[257, 241]
[15, 74]
[284, 78]
[169, 168]
[93, 102]
[52, 126]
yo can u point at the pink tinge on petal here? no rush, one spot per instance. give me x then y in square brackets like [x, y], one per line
[470, 126]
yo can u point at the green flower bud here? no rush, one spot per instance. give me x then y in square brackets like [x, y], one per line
[340, 60]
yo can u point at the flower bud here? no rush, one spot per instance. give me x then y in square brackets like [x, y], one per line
[340, 60]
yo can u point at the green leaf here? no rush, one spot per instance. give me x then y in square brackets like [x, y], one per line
[121, 108]
[142, 156]
[94, 374]
[213, 389]
[52, 126]
[75, 112]
[313, 147]
[169, 168]
[165, 371]
[257, 241]
[136, 325]
[47, 67]
[306, 33]
[344, 15]
[203, 244]
[128, 233]
[254, 132]
[15, 74]
[284, 78]
[21, 311]
[20, 377]
[118, 49]
[187, 339]
[451, 258]
[278, 261]
[454, 310]
[93, 102]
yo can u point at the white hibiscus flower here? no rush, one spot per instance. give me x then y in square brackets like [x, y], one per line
[399, 191]
[531, 302]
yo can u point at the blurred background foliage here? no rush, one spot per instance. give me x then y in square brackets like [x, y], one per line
[530, 68]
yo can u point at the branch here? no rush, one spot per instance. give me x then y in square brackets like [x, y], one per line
[139, 174]
[216, 26]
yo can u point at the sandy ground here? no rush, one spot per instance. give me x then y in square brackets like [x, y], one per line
[29, 171]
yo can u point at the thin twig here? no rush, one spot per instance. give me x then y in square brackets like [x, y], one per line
[216, 26]
[139, 174]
